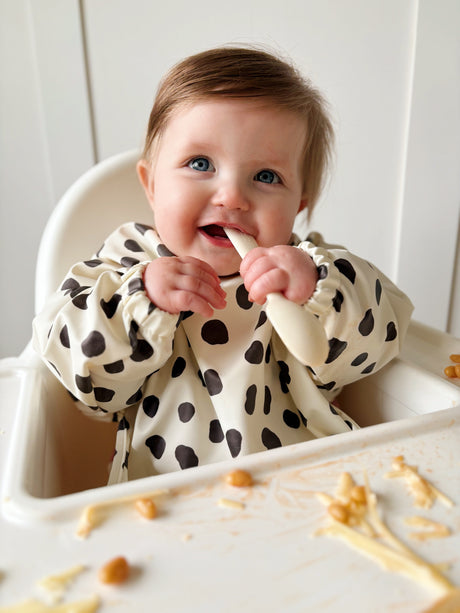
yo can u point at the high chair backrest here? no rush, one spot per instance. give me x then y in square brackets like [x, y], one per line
[103, 198]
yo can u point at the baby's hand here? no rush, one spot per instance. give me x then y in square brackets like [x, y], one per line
[283, 269]
[176, 284]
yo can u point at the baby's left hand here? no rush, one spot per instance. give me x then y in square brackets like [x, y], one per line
[283, 269]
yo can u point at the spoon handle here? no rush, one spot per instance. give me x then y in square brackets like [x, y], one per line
[300, 331]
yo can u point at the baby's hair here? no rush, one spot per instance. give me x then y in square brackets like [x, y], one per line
[247, 72]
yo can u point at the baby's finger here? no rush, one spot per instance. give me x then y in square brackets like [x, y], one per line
[250, 258]
[274, 280]
[256, 269]
[197, 286]
[182, 300]
[202, 272]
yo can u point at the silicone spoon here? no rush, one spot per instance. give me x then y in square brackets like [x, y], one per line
[298, 328]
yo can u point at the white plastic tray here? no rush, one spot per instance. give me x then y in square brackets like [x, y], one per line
[199, 556]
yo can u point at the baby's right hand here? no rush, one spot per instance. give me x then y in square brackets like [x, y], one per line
[176, 284]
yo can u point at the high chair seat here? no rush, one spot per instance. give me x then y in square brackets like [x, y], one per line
[103, 198]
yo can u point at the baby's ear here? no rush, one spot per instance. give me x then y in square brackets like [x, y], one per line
[144, 172]
[303, 204]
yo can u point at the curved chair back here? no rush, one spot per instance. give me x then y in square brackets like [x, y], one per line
[103, 198]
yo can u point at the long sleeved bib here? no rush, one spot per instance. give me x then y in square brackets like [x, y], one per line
[186, 390]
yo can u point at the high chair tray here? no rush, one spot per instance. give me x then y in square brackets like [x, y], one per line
[214, 547]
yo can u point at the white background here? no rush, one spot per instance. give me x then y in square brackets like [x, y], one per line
[78, 79]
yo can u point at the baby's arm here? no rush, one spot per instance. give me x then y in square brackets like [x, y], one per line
[365, 316]
[100, 333]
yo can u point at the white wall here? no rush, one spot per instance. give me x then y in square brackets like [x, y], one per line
[78, 80]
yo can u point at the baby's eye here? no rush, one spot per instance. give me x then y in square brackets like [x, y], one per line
[201, 164]
[267, 176]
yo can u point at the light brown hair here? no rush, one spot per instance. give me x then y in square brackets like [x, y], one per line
[247, 72]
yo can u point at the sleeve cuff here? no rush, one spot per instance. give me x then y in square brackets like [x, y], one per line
[328, 279]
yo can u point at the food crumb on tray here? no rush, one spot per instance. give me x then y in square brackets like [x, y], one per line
[88, 605]
[423, 491]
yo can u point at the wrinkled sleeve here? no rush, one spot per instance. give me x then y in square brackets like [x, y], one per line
[99, 333]
[365, 316]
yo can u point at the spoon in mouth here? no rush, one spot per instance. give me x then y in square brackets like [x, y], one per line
[300, 330]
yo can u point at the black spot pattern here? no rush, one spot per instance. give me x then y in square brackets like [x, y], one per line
[110, 307]
[157, 445]
[132, 245]
[250, 402]
[178, 367]
[267, 400]
[284, 376]
[262, 319]
[186, 411]
[135, 285]
[368, 369]
[346, 269]
[362, 357]
[164, 252]
[150, 405]
[92, 263]
[337, 301]
[268, 353]
[128, 262]
[123, 424]
[214, 332]
[64, 337]
[142, 228]
[93, 345]
[69, 286]
[234, 439]
[391, 332]
[216, 434]
[291, 419]
[135, 397]
[186, 457]
[212, 381]
[103, 394]
[270, 439]
[143, 351]
[242, 298]
[114, 367]
[322, 271]
[366, 325]
[84, 384]
[327, 386]
[336, 347]
[255, 353]
[80, 301]
[378, 291]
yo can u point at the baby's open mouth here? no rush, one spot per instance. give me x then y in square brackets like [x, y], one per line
[214, 230]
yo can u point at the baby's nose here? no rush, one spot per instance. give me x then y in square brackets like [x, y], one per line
[231, 196]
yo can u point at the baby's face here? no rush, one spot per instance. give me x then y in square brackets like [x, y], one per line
[226, 163]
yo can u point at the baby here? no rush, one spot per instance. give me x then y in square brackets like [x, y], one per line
[164, 330]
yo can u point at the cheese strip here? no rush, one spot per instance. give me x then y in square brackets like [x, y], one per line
[413, 567]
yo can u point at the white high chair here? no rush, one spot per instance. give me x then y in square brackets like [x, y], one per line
[103, 198]
[56, 451]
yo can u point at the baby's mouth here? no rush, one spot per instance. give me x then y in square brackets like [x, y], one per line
[214, 231]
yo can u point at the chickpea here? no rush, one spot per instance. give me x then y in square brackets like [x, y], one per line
[358, 494]
[239, 478]
[115, 571]
[449, 371]
[457, 370]
[339, 512]
[455, 357]
[146, 507]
